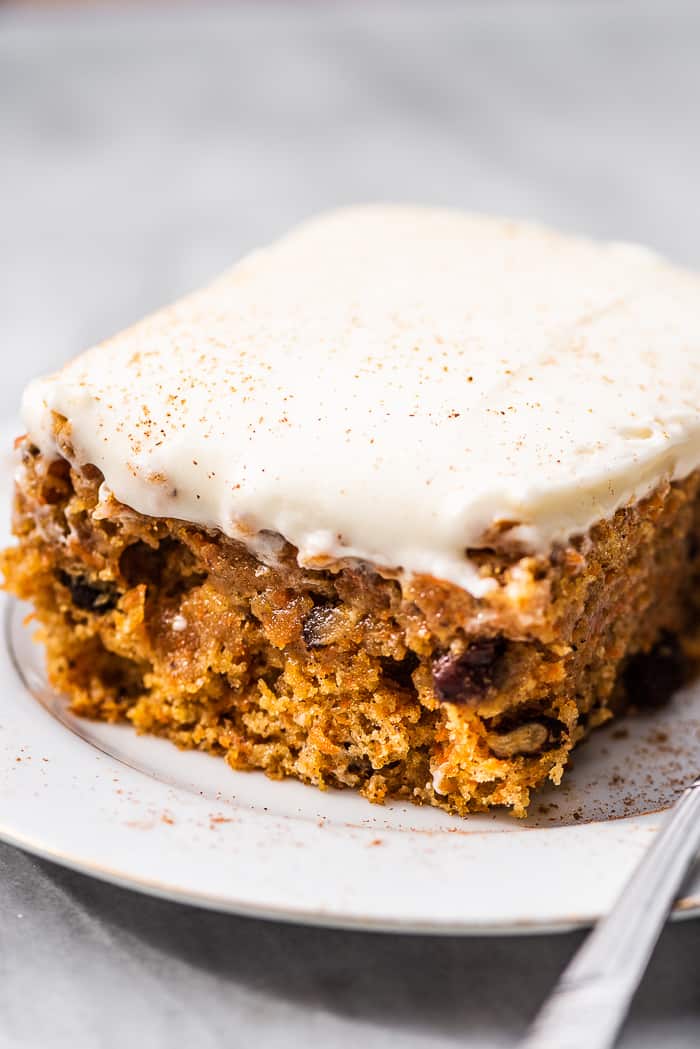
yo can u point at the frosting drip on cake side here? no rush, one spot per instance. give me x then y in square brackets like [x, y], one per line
[388, 383]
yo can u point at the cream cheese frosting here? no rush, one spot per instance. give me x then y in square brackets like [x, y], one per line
[388, 383]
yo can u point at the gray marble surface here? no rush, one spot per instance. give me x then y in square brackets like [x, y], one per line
[140, 152]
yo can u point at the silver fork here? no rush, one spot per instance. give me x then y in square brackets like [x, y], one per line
[587, 1007]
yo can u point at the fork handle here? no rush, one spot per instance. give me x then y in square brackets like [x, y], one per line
[589, 1003]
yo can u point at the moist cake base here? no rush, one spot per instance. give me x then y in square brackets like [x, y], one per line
[343, 675]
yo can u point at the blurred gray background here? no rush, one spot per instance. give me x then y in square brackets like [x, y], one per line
[141, 150]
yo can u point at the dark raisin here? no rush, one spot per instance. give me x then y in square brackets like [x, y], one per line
[317, 629]
[400, 671]
[652, 677]
[467, 678]
[98, 597]
[141, 563]
[56, 487]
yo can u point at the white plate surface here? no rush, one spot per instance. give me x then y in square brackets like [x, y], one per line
[137, 811]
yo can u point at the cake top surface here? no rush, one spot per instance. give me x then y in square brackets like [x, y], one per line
[391, 382]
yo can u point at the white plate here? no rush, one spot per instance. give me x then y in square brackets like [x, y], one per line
[137, 811]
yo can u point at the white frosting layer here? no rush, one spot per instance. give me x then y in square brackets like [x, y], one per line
[388, 382]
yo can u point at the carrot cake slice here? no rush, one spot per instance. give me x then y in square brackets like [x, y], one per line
[407, 503]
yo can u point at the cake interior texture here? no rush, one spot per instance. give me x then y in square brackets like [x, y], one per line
[351, 675]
